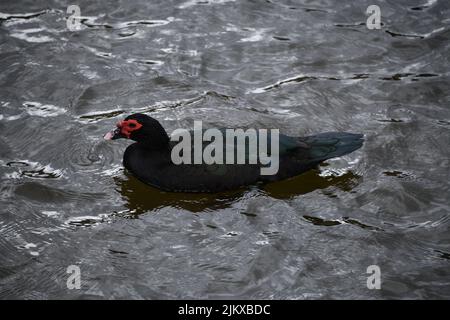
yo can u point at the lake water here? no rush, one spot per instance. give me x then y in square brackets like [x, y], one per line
[303, 67]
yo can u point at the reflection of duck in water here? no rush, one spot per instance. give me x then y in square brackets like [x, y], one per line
[141, 198]
[150, 158]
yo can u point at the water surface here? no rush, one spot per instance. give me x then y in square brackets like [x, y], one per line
[301, 66]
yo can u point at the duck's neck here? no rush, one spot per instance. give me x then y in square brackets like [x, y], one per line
[161, 144]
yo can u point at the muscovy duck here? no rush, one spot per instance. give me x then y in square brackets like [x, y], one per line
[150, 158]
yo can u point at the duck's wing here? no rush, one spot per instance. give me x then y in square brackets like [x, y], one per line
[191, 177]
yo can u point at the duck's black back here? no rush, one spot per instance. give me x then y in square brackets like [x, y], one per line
[157, 169]
[296, 155]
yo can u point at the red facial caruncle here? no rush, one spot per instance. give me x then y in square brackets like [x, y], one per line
[128, 126]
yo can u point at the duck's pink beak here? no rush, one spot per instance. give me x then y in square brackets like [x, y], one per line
[113, 134]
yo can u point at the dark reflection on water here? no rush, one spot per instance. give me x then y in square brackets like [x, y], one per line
[309, 182]
[298, 66]
[140, 198]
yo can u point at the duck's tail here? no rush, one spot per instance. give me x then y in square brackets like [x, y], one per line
[333, 144]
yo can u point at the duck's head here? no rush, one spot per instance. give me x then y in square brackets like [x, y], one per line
[141, 128]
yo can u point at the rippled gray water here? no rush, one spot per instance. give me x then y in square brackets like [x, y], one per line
[301, 66]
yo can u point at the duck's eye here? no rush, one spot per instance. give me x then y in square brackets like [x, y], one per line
[132, 125]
